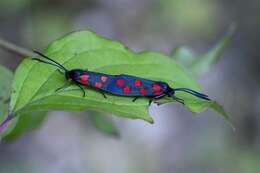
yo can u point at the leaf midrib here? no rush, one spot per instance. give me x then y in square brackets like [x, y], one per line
[89, 99]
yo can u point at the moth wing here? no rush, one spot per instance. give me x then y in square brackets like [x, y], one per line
[119, 82]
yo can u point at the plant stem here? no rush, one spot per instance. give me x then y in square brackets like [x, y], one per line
[20, 51]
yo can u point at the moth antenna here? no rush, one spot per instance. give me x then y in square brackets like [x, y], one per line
[190, 91]
[176, 98]
[195, 93]
[55, 62]
[46, 62]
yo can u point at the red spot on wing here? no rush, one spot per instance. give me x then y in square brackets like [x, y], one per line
[156, 93]
[143, 91]
[157, 89]
[98, 84]
[126, 89]
[103, 78]
[84, 79]
[120, 82]
[137, 83]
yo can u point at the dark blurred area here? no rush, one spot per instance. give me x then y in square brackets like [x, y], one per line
[178, 141]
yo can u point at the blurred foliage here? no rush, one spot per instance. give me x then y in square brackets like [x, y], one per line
[49, 25]
[8, 167]
[183, 55]
[103, 123]
[13, 6]
[222, 155]
[192, 16]
[199, 65]
[246, 160]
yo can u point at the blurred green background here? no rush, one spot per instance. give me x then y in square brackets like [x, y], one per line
[178, 141]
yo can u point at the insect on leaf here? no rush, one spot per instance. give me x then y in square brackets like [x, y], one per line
[35, 83]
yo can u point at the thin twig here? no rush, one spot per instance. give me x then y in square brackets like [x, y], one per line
[20, 51]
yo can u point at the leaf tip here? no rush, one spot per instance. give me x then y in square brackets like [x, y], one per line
[149, 120]
[219, 109]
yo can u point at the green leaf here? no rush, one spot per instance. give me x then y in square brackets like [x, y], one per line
[103, 123]
[27, 122]
[200, 65]
[6, 77]
[35, 83]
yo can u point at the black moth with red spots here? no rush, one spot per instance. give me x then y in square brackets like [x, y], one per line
[121, 85]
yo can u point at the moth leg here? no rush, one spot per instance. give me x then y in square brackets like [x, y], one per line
[150, 101]
[82, 89]
[60, 71]
[135, 99]
[67, 84]
[104, 95]
[156, 98]
[159, 103]
[178, 99]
